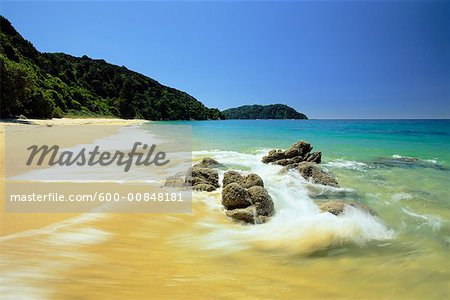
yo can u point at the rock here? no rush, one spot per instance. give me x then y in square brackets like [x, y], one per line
[406, 162]
[273, 155]
[235, 196]
[315, 157]
[175, 181]
[336, 207]
[208, 162]
[247, 215]
[261, 200]
[245, 198]
[204, 187]
[311, 171]
[250, 180]
[300, 148]
[298, 152]
[197, 176]
[231, 176]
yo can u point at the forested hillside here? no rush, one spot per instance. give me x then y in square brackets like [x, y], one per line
[45, 85]
[273, 111]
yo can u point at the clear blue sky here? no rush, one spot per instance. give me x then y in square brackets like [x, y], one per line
[326, 59]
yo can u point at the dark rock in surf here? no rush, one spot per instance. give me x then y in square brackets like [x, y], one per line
[235, 196]
[261, 200]
[245, 198]
[197, 176]
[337, 207]
[247, 215]
[313, 172]
[208, 162]
[248, 181]
[298, 152]
[406, 162]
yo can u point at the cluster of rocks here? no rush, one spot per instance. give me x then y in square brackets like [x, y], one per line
[245, 198]
[300, 157]
[297, 153]
[201, 177]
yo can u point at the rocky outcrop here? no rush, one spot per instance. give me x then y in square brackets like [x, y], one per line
[201, 177]
[336, 207]
[406, 162]
[247, 215]
[177, 181]
[208, 162]
[311, 171]
[235, 196]
[245, 198]
[298, 152]
[248, 181]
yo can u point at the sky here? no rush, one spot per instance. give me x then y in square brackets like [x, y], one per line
[365, 59]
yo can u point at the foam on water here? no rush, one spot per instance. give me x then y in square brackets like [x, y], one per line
[426, 219]
[298, 226]
[345, 164]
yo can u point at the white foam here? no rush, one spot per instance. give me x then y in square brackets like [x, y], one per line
[401, 196]
[298, 226]
[434, 222]
[345, 164]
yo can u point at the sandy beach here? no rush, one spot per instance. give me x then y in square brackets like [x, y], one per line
[25, 130]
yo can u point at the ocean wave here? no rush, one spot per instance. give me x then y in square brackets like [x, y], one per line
[434, 222]
[431, 160]
[298, 226]
[345, 164]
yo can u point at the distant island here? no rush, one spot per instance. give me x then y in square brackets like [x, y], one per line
[273, 111]
[46, 85]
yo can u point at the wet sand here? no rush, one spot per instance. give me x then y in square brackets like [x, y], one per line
[46, 129]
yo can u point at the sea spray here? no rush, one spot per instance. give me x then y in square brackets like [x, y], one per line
[298, 226]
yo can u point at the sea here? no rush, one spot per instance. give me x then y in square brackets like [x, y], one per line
[398, 168]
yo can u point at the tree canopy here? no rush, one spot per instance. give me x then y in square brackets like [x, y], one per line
[45, 85]
[273, 111]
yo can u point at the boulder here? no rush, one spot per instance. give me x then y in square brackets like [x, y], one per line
[197, 176]
[261, 200]
[245, 198]
[311, 171]
[230, 177]
[247, 215]
[175, 181]
[273, 155]
[204, 187]
[336, 207]
[298, 152]
[208, 162]
[315, 157]
[300, 148]
[235, 196]
[250, 180]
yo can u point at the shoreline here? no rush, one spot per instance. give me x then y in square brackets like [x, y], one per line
[71, 121]
[24, 130]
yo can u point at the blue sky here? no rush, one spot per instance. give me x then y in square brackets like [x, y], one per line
[326, 59]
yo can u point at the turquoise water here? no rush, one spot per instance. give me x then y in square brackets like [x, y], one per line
[365, 156]
[353, 139]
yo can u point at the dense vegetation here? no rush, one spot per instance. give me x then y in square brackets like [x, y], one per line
[273, 111]
[45, 85]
